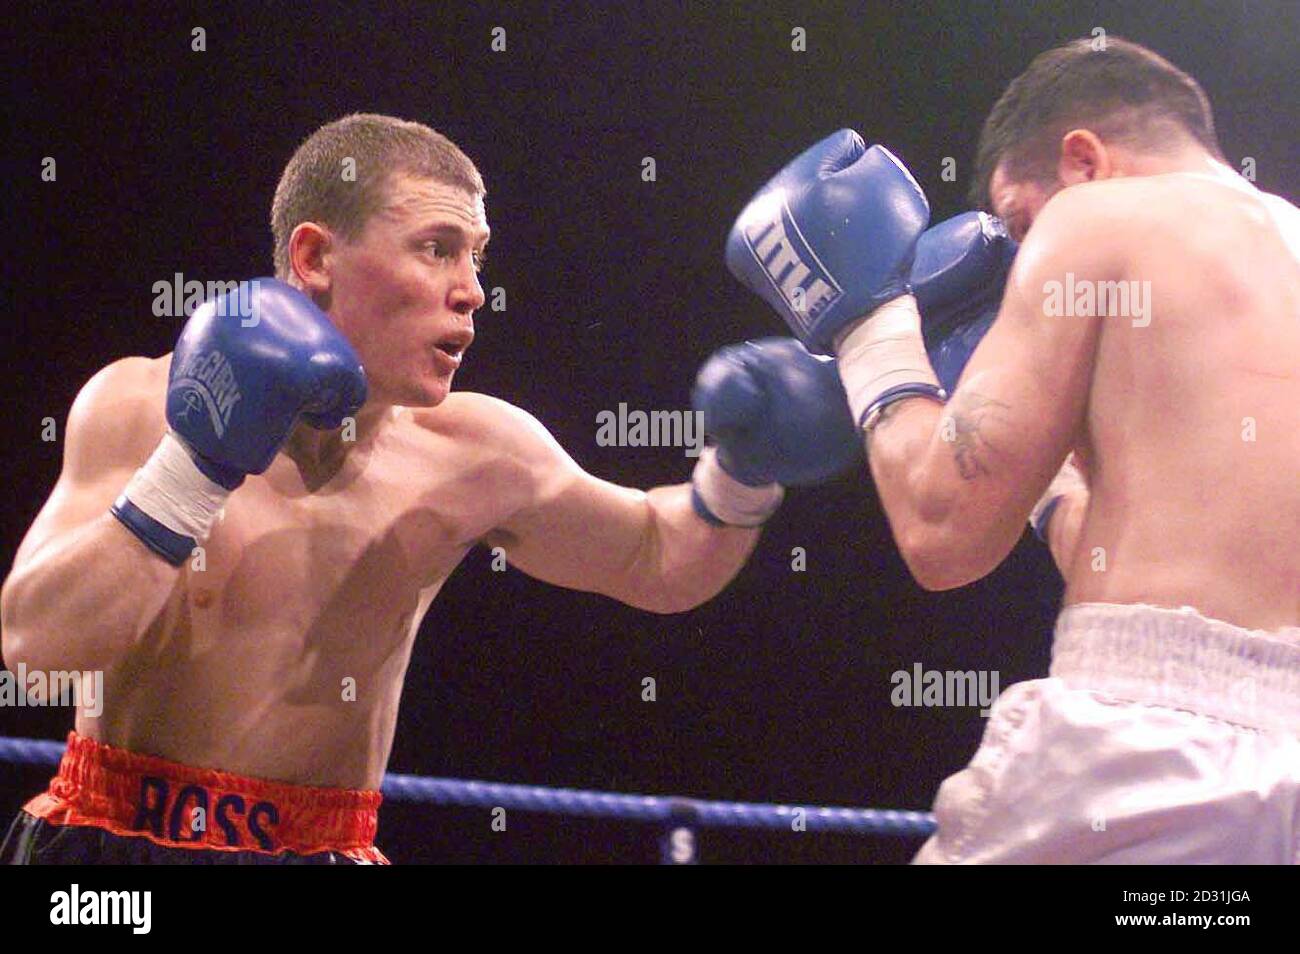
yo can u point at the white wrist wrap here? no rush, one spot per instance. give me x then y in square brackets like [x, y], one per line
[171, 489]
[730, 501]
[883, 352]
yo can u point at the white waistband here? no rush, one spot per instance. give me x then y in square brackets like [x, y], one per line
[1181, 659]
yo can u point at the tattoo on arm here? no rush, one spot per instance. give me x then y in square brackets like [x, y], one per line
[965, 420]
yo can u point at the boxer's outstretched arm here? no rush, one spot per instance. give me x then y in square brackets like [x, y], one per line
[82, 587]
[958, 481]
[647, 549]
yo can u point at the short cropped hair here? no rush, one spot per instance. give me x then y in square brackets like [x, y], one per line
[1122, 92]
[314, 187]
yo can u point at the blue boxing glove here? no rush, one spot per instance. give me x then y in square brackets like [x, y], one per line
[777, 417]
[918, 346]
[831, 238]
[240, 379]
[238, 384]
[958, 278]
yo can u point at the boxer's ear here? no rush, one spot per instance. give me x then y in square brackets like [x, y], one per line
[309, 249]
[1084, 157]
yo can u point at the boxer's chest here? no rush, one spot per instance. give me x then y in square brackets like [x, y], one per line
[360, 548]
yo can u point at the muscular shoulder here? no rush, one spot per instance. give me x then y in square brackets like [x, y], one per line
[1172, 208]
[118, 416]
[1092, 216]
[488, 421]
[507, 435]
[1104, 227]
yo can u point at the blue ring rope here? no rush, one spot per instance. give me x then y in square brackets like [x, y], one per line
[662, 809]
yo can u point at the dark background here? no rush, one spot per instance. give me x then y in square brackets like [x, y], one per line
[778, 690]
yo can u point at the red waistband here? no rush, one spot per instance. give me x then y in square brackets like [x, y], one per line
[183, 807]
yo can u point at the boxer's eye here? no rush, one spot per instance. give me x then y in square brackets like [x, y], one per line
[480, 261]
[436, 248]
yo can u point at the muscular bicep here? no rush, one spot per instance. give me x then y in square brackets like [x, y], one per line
[586, 534]
[1016, 411]
[1021, 402]
[567, 527]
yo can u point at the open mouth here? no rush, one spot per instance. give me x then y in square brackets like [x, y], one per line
[453, 345]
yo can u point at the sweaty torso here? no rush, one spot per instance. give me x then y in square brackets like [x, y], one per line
[282, 655]
[1192, 435]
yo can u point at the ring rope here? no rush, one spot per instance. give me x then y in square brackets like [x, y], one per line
[670, 809]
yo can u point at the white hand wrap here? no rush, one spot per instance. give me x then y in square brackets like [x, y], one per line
[729, 501]
[885, 352]
[172, 490]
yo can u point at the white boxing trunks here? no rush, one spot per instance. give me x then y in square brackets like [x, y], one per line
[1159, 737]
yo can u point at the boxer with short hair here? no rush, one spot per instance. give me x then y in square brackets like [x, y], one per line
[1169, 729]
[314, 450]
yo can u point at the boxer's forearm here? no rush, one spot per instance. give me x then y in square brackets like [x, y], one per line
[650, 549]
[82, 599]
[945, 533]
[684, 560]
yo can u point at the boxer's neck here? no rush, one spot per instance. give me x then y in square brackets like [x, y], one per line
[1191, 159]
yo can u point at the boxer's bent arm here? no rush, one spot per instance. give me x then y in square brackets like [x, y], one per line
[958, 481]
[646, 549]
[82, 587]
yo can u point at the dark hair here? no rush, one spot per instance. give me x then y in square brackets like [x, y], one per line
[1117, 88]
[314, 188]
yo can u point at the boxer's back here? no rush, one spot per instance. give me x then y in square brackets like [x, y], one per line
[1192, 424]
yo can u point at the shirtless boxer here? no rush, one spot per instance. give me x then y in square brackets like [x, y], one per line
[1169, 729]
[227, 668]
